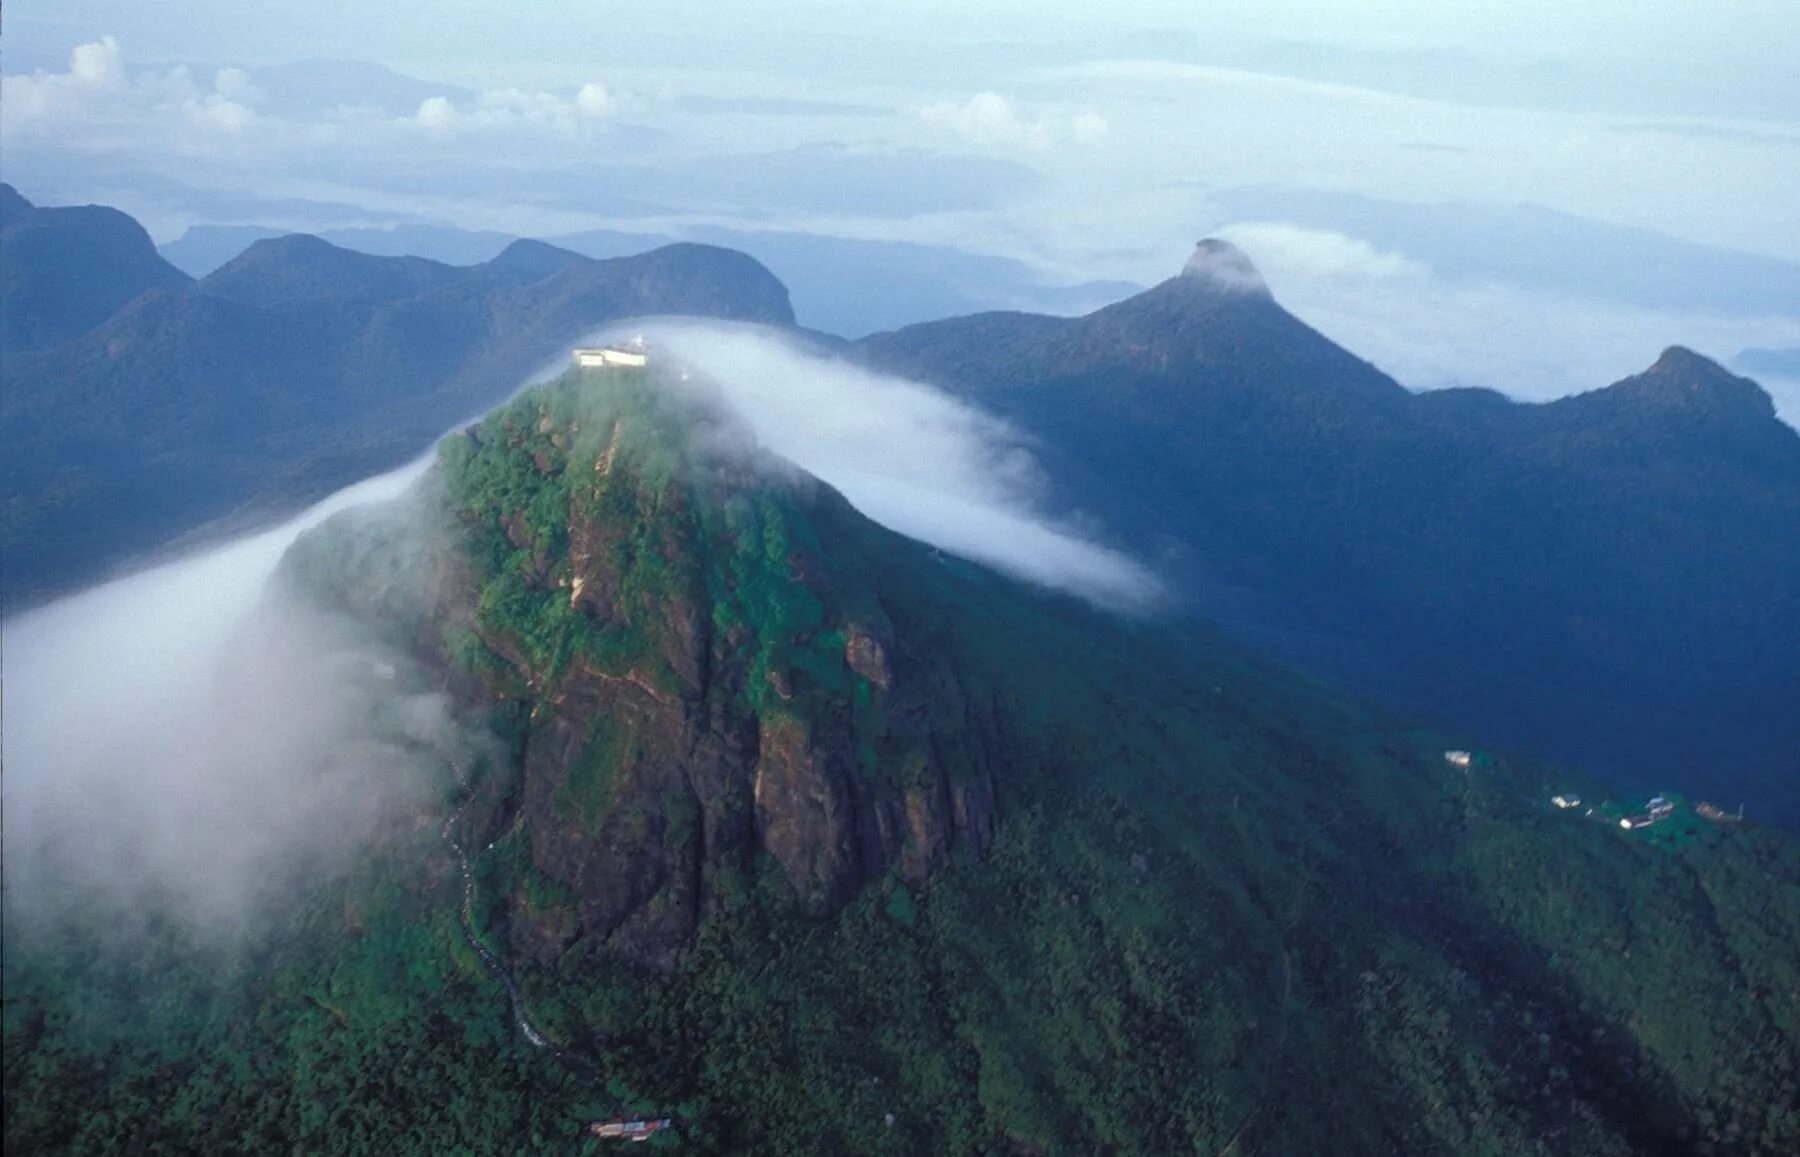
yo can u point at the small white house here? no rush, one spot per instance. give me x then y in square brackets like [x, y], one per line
[1566, 801]
[593, 357]
[1458, 759]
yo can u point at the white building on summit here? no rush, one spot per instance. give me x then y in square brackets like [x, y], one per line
[590, 357]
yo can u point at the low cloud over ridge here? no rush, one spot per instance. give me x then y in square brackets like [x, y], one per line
[192, 740]
[909, 456]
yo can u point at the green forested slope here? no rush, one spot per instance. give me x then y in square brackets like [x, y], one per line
[793, 825]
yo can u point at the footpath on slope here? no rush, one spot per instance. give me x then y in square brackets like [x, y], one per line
[465, 917]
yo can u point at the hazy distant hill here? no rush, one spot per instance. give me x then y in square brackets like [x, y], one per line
[839, 285]
[1782, 363]
[1610, 577]
[293, 370]
[64, 271]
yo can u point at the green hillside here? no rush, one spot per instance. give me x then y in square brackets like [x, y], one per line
[1604, 579]
[815, 841]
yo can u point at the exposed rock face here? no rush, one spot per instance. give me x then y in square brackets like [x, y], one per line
[706, 676]
[867, 656]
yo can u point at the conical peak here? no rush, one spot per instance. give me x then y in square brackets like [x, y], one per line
[1695, 383]
[1223, 267]
[1684, 362]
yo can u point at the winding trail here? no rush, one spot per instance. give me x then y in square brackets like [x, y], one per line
[465, 917]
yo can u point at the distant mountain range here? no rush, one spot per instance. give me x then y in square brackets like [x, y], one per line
[141, 404]
[1609, 578]
[839, 285]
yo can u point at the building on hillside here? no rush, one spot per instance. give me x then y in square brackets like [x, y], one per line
[1566, 801]
[1659, 807]
[630, 1129]
[594, 357]
[1460, 759]
[1644, 820]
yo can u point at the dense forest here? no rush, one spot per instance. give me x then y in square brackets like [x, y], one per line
[1604, 578]
[816, 841]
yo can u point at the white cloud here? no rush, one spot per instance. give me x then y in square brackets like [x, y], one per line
[100, 64]
[102, 105]
[592, 100]
[437, 114]
[991, 120]
[1430, 332]
[216, 111]
[910, 457]
[1318, 253]
[512, 109]
[99, 103]
[187, 737]
[234, 84]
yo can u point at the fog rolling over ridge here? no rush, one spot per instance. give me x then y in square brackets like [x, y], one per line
[905, 453]
[195, 738]
[190, 736]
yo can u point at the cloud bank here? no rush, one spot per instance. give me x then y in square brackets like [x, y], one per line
[989, 119]
[186, 741]
[909, 456]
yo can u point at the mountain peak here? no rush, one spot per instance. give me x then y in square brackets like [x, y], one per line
[1690, 381]
[1680, 360]
[13, 205]
[534, 259]
[298, 267]
[1223, 267]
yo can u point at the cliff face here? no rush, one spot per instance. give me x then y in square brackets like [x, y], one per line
[695, 651]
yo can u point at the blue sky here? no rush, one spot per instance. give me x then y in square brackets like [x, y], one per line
[1087, 141]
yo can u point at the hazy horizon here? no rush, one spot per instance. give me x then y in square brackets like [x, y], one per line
[1085, 147]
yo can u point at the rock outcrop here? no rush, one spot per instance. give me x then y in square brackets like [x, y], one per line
[705, 680]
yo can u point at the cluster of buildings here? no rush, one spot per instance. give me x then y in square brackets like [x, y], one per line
[1657, 809]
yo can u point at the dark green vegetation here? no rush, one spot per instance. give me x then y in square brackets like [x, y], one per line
[1609, 578]
[793, 826]
[139, 406]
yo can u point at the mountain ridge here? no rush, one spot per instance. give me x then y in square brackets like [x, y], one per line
[65, 270]
[1188, 900]
[292, 371]
[1373, 535]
